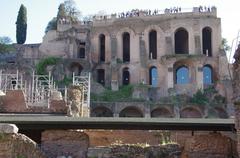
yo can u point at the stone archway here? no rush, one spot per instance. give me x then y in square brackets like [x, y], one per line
[161, 112]
[190, 112]
[131, 112]
[101, 112]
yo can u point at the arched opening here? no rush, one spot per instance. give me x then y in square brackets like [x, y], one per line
[101, 76]
[125, 76]
[190, 113]
[207, 41]
[126, 46]
[181, 41]
[81, 52]
[152, 44]
[207, 75]
[101, 112]
[76, 68]
[153, 76]
[161, 112]
[182, 75]
[131, 112]
[102, 47]
[221, 113]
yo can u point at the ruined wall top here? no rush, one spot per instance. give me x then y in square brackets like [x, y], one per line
[167, 13]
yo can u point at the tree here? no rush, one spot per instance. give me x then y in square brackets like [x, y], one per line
[224, 45]
[72, 10]
[5, 45]
[61, 11]
[52, 25]
[21, 30]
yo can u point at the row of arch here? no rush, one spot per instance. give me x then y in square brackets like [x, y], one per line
[181, 75]
[131, 111]
[181, 41]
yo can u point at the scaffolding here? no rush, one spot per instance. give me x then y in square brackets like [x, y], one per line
[83, 80]
[38, 90]
[10, 81]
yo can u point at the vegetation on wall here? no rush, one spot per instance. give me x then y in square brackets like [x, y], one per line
[123, 94]
[21, 24]
[43, 63]
[68, 10]
[5, 45]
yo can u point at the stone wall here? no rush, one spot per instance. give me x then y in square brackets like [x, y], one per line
[15, 145]
[135, 151]
[68, 143]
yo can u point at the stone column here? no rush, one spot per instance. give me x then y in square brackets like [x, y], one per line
[199, 76]
[170, 81]
[114, 67]
[147, 110]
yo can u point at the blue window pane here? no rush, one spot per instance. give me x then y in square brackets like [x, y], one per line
[207, 75]
[154, 77]
[182, 75]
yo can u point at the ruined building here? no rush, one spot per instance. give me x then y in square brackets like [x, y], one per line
[170, 54]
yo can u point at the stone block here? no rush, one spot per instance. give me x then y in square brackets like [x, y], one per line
[8, 128]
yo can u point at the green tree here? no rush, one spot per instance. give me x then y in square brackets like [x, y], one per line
[5, 45]
[61, 11]
[224, 45]
[21, 31]
[52, 25]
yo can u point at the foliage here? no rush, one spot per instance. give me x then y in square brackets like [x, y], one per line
[66, 81]
[61, 11]
[43, 63]
[71, 10]
[5, 45]
[21, 31]
[199, 98]
[52, 25]
[123, 94]
[224, 45]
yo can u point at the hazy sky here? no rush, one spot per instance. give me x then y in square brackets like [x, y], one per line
[39, 12]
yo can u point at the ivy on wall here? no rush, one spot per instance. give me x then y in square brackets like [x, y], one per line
[43, 63]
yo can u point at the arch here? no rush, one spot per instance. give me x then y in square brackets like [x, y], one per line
[207, 41]
[102, 46]
[221, 113]
[126, 47]
[207, 75]
[190, 112]
[153, 76]
[81, 52]
[76, 68]
[152, 37]
[125, 76]
[101, 76]
[131, 112]
[181, 41]
[161, 112]
[182, 75]
[101, 111]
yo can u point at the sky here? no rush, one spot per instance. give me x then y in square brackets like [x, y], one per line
[40, 12]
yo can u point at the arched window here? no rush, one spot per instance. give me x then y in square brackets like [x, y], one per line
[126, 46]
[76, 68]
[207, 41]
[152, 44]
[207, 75]
[102, 47]
[153, 76]
[181, 41]
[182, 75]
[125, 76]
[81, 53]
[101, 76]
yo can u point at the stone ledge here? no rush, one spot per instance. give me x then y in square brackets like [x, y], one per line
[8, 128]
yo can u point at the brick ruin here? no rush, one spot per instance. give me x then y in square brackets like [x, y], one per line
[167, 58]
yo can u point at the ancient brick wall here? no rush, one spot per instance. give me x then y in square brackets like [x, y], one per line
[57, 143]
